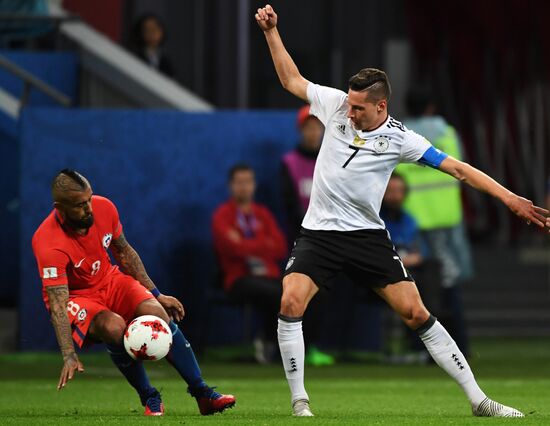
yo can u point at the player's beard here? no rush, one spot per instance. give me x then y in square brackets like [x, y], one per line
[83, 223]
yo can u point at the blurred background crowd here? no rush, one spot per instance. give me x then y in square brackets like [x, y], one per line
[173, 110]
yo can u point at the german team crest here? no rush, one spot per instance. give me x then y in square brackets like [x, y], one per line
[381, 144]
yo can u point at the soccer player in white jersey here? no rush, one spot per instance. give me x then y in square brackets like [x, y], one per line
[342, 231]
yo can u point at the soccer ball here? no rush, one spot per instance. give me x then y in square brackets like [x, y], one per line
[147, 338]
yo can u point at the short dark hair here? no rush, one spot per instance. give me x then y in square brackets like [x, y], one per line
[373, 81]
[239, 167]
[76, 177]
[68, 180]
[418, 99]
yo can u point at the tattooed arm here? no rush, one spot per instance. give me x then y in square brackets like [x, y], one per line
[58, 296]
[131, 263]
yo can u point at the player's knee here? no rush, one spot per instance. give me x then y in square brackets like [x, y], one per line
[416, 317]
[292, 305]
[113, 329]
[152, 307]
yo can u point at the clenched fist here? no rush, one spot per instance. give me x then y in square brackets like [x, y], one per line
[266, 18]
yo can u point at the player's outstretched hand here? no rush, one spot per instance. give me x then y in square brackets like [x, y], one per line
[172, 306]
[266, 18]
[70, 365]
[527, 211]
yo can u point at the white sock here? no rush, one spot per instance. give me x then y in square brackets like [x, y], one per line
[291, 345]
[446, 354]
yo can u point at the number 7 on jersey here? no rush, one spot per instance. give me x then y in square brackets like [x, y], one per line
[353, 154]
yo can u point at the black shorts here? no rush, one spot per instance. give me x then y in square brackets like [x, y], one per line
[367, 257]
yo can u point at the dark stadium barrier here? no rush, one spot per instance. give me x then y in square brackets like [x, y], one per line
[9, 216]
[59, 70]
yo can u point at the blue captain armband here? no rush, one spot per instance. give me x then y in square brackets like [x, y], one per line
[433, 157]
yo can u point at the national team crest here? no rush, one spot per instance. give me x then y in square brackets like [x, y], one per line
[107, 238]
[381, 144]
[82, 314]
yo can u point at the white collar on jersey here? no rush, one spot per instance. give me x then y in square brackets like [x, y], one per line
[367, 132]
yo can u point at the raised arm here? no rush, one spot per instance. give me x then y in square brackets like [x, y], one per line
[130, 262]
[58, 297]
[288, 73]
[523, 208]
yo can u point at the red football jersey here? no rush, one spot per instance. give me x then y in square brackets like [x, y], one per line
[81, 261]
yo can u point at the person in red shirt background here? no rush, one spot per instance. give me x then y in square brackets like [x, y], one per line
[249, 246]
[92, 300]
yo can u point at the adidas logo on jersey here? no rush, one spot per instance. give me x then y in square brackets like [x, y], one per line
[341, 128]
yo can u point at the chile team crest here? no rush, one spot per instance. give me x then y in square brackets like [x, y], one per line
[107, 238]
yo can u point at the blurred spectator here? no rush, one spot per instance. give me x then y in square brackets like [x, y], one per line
[149, 37]
[249, 246]
[297, 170]
[402, 226]
[435, 202]
[405, 236]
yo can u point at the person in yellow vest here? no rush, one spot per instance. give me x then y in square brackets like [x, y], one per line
[435, 202]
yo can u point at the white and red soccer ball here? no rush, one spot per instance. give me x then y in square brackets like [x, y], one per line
[148, 338]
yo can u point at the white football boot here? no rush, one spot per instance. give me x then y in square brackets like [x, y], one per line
[300, 408]
[490, 408]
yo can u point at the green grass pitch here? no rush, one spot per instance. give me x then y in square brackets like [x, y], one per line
[516, 372]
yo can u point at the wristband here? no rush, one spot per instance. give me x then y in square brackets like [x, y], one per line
[155, 292]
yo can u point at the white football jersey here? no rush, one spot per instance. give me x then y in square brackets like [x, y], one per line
[353, 167]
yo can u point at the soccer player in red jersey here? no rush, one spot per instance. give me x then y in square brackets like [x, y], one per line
[91, 300]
